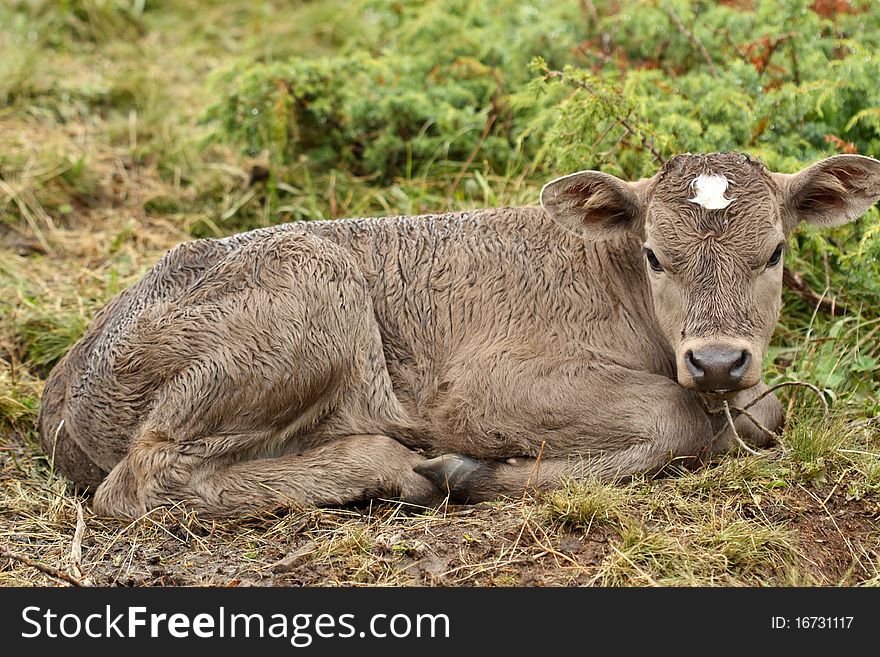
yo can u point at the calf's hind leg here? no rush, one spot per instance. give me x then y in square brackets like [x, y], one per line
[270, 388]
[87, 416]
[341, 471]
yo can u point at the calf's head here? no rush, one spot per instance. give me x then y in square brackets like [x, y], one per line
[713, 229]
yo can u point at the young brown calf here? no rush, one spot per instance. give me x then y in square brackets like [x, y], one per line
[322, 363]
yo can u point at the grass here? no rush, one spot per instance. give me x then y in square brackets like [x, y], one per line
[105, 163]
[583, 504]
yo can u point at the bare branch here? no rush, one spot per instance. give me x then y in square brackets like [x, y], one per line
[694, 39]
[770, 434]
[739, 441]
[825, 409]
[795, 282]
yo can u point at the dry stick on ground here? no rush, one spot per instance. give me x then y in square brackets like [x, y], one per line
[76, 544]
[43, 568]
[694, 39]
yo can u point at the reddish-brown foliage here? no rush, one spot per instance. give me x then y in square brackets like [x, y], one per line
[830, 8]
[841, 145]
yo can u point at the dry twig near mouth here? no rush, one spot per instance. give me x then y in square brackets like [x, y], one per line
[739, 441]
[766, 431]
[826, 411]
[744, 411]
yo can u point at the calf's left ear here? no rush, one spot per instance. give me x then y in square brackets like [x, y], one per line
[831, 192]
[595, 203]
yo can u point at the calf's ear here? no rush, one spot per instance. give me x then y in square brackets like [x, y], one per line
[592, 202]
[831, 192]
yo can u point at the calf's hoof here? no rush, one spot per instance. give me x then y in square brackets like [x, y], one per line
[458, 476]
[420, 491]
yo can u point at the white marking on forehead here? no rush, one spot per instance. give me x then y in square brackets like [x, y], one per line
[710, 192]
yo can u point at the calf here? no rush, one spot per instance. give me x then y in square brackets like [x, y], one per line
[327, 362]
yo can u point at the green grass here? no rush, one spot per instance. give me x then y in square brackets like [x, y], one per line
[584, 504]
[109, 156]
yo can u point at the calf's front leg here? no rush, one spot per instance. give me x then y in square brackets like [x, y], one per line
[673, 426]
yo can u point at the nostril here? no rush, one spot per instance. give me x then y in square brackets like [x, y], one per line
[741, 366]
[693, 364]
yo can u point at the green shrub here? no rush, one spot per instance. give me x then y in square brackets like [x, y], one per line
[440, 86]
[780, 82]
[450, 80]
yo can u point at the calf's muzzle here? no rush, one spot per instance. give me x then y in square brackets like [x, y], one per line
[718, 367]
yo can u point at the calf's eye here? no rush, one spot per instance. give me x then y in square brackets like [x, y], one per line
[776, 257]
[652, 260]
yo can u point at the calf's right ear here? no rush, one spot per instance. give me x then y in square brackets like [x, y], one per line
[831, 192]
[592, 202]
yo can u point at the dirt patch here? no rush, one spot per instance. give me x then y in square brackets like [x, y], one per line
[497, 544]
[838, 538]
[483, 546]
